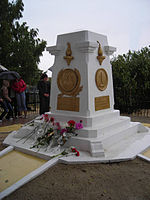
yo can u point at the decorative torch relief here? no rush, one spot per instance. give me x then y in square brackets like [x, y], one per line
[68, 56]
[100, 56]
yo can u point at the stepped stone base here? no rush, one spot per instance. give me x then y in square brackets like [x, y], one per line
[104, 138]
[105, 132]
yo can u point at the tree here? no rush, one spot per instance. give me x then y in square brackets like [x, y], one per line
[20, 47]
[131, 74]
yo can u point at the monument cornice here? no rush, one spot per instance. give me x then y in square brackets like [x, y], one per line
[86, 47]
[109, 50]
[55, 50]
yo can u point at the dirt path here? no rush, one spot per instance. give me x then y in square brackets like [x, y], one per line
[118, 181]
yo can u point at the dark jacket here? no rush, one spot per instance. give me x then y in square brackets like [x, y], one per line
[43, 87]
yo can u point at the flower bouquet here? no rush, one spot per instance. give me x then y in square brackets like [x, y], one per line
[53, 133]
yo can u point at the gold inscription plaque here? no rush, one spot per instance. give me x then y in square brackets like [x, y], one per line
[101, 79]
[102, 103]
[68, 103]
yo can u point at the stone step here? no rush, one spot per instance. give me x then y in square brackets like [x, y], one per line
[105, 128]
[134, 129]
[105, 117]
[117, 135]
[114, 125]
[94, 147]
[129, 146]
[88, 121]
[98, 146]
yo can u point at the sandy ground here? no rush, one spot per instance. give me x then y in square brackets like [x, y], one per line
[117, 181]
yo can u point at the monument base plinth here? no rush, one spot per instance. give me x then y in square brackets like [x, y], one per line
[100, 132]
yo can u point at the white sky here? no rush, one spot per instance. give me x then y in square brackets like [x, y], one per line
[125, 22]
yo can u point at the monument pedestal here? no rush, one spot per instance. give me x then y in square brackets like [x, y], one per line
[82, 89]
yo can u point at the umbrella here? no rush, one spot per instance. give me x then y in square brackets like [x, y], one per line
[9, 75]
[2, 68]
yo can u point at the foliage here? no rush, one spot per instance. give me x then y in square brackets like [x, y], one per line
[131, 77]
[20, 47]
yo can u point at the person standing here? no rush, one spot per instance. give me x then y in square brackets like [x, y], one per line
[19, 86]
[14, 101]
[44, 93]
[5, 102]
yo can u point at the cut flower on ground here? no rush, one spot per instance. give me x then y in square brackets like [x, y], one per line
[52, 133]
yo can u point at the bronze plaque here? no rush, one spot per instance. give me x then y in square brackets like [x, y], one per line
[68, 103]
[68, 81]
[102, 103]
[101, 79]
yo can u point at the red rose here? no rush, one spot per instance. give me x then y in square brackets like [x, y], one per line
[58, 126]
[74, 150]
[52, 119]
[77, 153]
[46, 117]
[71, 123]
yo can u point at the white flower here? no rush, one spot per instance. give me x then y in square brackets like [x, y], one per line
[63, 124]
[64, 134]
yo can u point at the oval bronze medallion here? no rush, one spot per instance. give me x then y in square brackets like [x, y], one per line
[101, 79]
[68, 81]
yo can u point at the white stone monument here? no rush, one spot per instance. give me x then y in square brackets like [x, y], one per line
[82, 89]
